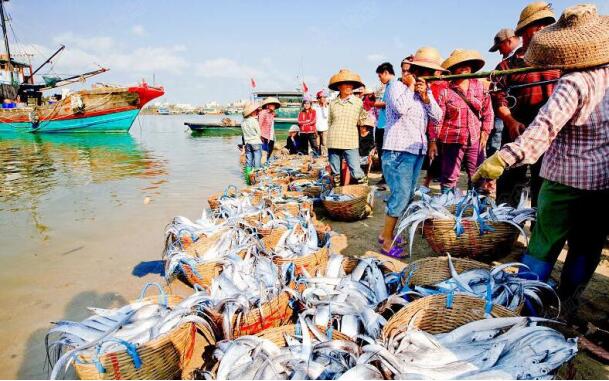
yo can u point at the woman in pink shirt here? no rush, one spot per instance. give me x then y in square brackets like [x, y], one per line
[308, 133]
[266, 119]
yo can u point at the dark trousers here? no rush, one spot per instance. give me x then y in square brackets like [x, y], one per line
[379, 133]
[567, 214]
[307, 139]
[268, 145]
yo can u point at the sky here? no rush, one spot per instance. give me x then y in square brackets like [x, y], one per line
[203, 51]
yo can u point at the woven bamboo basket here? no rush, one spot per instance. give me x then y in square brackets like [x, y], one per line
[356, 209]
[214, 199]
[433, 315]
[201, 245]
[311, 263]
[313, 191]
[161, 359]
[441, 236]
[270, 240]
[274, 313]
[205, 273]
[429, 271]
[292, 207]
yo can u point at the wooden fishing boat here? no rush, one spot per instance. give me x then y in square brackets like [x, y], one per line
[213, 129]
[100, 109]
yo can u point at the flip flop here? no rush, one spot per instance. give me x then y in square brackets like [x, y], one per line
[398, 241]
[394, 252]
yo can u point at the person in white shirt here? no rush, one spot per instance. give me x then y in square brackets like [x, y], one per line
[321, 122]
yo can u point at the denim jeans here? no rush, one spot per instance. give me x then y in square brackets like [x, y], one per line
[351, 156]
[401, 170]
[494, 140]
[253, 155]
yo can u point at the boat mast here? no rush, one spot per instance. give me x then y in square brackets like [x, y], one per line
[6, 45]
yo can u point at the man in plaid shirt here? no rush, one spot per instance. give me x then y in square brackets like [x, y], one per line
[524, 102]
[572, 129]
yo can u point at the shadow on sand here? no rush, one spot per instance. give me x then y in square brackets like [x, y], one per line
[34, 365]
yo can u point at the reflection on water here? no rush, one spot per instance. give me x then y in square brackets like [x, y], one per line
[48, 182]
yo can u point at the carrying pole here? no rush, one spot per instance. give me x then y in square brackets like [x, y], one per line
[485, 74]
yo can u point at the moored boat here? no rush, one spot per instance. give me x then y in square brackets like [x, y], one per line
[287, 114]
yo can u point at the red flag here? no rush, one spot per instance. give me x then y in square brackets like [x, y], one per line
[305, 89]
[253, 83]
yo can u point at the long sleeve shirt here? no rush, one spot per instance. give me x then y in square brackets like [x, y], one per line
[251, 130]
[344, 117]
[459, 124]
[307, 121]
[407, 119]
[573, 131]
[528, 99]
[267, 124]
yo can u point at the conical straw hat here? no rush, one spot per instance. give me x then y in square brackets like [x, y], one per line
[580, 39]
[250, 108]
[428, 58]
[460, 56]
[534, 12]
[271, 100]
[345, 75]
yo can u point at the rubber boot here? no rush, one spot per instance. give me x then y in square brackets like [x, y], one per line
[574, 277]
[246, 174]
[541, 269]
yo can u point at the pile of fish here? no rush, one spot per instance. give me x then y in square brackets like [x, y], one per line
[505, 288]
[350, 303]
[500, 348]
[117, 329]
[483, 211]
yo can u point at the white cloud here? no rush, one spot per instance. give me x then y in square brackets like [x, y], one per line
[138, 30]
[226, 68]
[96, 43]
[375, 57]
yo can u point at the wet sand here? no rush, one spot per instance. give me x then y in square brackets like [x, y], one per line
[61, 283]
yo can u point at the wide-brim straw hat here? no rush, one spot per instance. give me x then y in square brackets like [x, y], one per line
[427, 57]
[271, 100]
[538, 11]
[579, 40]
[462, 56]
[249, 108]
[345, 76]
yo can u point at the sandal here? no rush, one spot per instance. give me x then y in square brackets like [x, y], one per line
[394, 252]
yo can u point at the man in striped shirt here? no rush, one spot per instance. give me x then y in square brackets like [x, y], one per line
[572, 129]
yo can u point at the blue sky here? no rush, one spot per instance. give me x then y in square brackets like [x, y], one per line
[207, 50]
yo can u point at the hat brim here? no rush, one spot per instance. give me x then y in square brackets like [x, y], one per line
[426, 65]
[277, 105]
[495, 47]
[334, 86]
[547, 17]
[475, 63]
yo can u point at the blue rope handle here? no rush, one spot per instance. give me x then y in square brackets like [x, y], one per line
[131, 351]
[161, 292]
[228, 189]
[449, 300]
[488, 306]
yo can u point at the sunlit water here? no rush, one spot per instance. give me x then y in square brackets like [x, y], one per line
[50, 183]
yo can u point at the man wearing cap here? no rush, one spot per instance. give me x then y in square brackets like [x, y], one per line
[321, 121]
[409, 105]
[506, 42]
[266, 118]
[346, 113]
[528, 100]
[572, 128]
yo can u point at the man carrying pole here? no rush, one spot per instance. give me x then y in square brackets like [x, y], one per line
[518, 108]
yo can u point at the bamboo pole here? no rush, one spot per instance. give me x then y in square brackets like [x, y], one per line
[484, 74]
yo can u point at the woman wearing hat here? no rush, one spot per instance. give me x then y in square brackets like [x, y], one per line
[321, 119]
[251, 137]
[572, 129]
[266, 118]
[467, 120]
[346, 112]
[293, 142]
[519, 110]
[308, 133]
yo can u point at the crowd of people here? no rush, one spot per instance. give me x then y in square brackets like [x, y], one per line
[546, 129]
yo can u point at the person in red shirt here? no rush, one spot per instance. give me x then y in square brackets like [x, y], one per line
[308, 133]
[518, 107]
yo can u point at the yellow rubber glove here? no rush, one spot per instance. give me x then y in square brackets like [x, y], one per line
[491, 168]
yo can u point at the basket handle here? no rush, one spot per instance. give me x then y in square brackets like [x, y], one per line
[131, 351]
[161, 291]
[228, 189]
